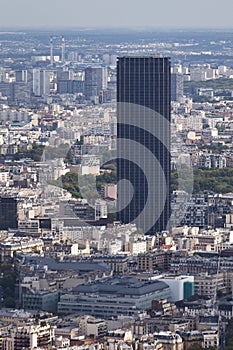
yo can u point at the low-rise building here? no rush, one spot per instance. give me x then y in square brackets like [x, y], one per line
[25, 245]
[169, 340]
[209, 285]
[90, 326]
[153, 260]
[29, 337]
[113, 297]
[210, 338]
[182, 287]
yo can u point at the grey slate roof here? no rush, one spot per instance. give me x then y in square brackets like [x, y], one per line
[121, 286]
[78, 266]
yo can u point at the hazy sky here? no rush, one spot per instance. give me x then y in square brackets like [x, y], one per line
[118, 13]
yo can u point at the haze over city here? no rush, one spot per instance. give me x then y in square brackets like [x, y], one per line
[116, 175]
[104, 13]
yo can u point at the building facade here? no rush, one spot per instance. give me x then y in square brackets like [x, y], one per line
[8, 213]
[143, 141]
[113, 297]
[177, 87]
[95, 81]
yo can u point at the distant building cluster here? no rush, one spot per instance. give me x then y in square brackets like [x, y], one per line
[89, 264]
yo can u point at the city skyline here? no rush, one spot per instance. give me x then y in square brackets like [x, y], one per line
[73, 276]
[119, 14]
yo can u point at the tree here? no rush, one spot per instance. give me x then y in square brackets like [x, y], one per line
[35, 153]
[9, 302]
[206, 181]
[7, 283]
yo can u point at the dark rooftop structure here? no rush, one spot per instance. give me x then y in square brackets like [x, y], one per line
[121, 286]
[77, 266]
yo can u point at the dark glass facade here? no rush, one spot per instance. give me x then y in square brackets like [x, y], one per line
[143, 141]
[8, 213]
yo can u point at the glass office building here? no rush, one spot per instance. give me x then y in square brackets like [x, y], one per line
[143, 141]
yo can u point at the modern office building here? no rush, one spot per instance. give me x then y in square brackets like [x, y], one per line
[21, 76]
[8, 213]
[177, 87]
[95, 81]
[182, 287]
[70, 86]
[113, 297]
[40, 82]
[39, 300]
[143, 141]
[20, 92]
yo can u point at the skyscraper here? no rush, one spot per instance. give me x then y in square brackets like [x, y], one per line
[40, 82]
[177, 87]
[95, 81]
[143, 141]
